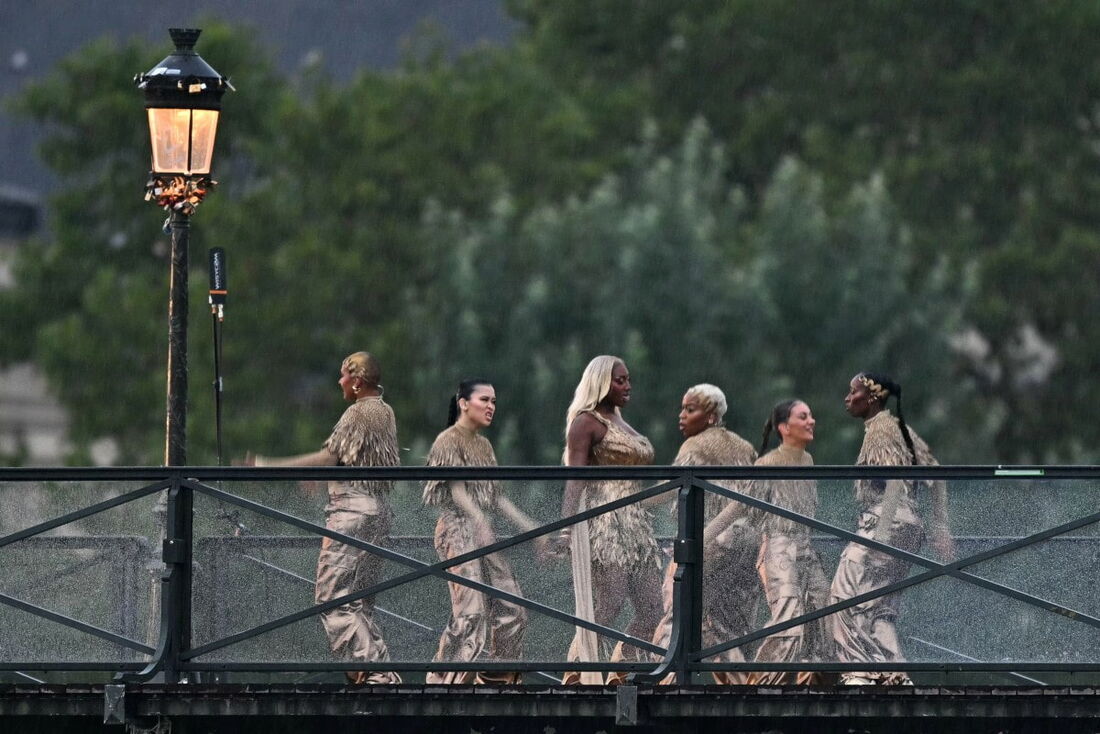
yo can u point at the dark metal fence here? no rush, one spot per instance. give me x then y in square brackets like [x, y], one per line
[191, 569]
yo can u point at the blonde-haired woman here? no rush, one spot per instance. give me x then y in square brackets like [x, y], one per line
[615, 555]
[731, 590]
[365, 435]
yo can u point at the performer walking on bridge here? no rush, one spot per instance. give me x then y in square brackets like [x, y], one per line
[365, 435]
[888, 513]
[615, 555]
[790, 568]
[731, 591]
[480, 625]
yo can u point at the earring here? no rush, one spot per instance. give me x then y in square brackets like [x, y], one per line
[355, 389]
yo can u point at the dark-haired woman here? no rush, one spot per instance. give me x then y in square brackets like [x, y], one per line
[888, 513]
[365, 435]
[794, 582]
[480, 626]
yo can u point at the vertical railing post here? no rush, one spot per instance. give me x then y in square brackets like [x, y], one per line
[688, 589]
[176, 588]
[686, 636]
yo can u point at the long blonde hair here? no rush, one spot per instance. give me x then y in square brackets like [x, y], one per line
[593, 388]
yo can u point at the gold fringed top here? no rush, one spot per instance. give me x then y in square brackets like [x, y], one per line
[457, 446]
[797, 495]
[883, 445]
[623, 537]
[716, 447]
[365, 435]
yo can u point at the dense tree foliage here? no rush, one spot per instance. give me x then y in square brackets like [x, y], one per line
[982, 119]
[765, 196]
[660, 265]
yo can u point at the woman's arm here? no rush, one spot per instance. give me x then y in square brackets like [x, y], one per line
[483, 530]
[515, 515]
[522, 521]
[324, 457]
[584, 433]
[731, 512]
[941, 539]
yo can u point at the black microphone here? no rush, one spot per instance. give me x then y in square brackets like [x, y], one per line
[218, 290]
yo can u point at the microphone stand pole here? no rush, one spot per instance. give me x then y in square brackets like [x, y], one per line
[217, 315]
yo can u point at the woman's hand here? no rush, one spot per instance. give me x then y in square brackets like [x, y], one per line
[483, 534]
[543, 548]
[944, 546]
[558, 545]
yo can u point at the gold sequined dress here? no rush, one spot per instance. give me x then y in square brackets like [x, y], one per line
[790, 569]
[618, 541]
[365, 435]
[481, 627]
[731, 590]
[622, 537]
[867, 632]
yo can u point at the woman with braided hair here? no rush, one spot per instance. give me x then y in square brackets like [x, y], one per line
[867, 632]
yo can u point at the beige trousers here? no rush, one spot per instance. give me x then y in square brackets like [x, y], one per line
[794, 584]
[480, 626]
[867, 632]
[341, 569]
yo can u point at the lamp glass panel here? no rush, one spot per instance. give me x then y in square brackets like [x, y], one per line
[182, 139]
[204, 127]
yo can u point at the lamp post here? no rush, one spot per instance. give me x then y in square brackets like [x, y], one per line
[182, 101]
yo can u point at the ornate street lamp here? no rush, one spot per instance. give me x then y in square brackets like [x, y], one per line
[182, 99]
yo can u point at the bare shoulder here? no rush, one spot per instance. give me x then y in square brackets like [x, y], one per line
[586, 429]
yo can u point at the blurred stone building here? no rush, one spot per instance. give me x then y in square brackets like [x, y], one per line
[32, 422]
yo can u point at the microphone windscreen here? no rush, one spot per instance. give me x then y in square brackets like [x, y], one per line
[218, 288]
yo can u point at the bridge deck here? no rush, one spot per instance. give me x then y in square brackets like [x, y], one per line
[412, 708]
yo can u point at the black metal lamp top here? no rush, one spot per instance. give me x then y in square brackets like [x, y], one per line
[183, 79]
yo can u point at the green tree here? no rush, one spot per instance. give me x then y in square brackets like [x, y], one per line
[982, 120]
[544, 183]
[89, 305]
[323, 188]
[661, 266]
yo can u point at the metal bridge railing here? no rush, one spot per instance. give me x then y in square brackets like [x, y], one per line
[175, 656]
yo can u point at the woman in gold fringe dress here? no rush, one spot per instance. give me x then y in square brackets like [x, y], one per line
[731, 590]
[365, 435]
[614, 555]
[480, 627]
[888, 513]
[789, 567]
